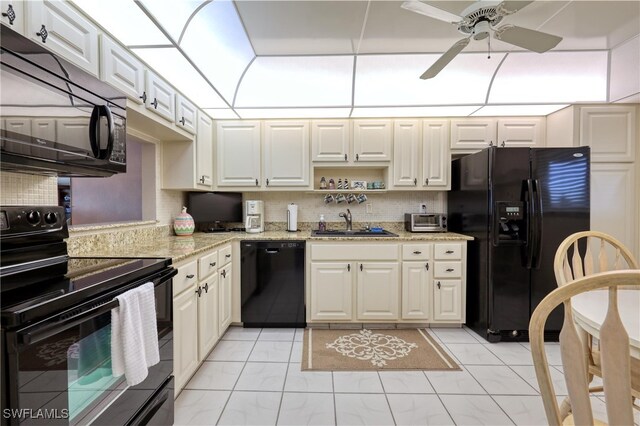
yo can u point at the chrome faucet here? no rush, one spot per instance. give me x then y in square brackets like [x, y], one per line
[347, 217]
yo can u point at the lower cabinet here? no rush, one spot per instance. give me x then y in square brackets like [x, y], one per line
[447, 300]
[208, 311]
[377, 290]
[185, 335]
[225, 298]
[416, 291]
[331, 291]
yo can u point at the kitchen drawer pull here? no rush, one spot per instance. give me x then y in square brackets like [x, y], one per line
[256, 182]
[427, 265]
[438, 285]
[223, 273]
[449, 269]
[43, 33]
[267, 181]
[10, 14]
[190, 276]
[212, 263]
[199, 291]
[155, 103]
[417, 252]
[227, 255]
[143, 97]
[357, 157]
[426, 181]
[349, 267]
[490, 143]
[182, 121]
[449, 251]
[503, 144]
[206, 287]
[345, 157]
[361, 266]
[415, 181]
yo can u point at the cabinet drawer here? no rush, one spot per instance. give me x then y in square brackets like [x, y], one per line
[448, 251]
[187, 275]
[447, 270]
[224, 255]
[416, 251]
[350, 252]
[207, 265]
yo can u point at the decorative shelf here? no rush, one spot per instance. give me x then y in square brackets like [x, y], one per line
[347, 191]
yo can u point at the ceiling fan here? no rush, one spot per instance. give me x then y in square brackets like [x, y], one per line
[477, 21]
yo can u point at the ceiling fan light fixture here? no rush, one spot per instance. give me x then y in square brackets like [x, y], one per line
[481, 30]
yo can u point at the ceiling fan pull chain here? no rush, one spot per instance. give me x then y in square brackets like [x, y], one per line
[489, 51]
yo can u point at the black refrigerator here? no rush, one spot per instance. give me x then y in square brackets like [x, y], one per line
[519, 204]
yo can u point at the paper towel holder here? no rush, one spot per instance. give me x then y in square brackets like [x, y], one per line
[292, 218]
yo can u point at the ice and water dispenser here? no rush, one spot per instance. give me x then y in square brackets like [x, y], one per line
[509, 223]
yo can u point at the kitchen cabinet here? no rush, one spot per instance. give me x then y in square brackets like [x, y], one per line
[436, 156]
[521, 132]
[331, 141]
[186, 115]
[238, 153]
[57, 26]
[406, 149]
[13, 14]
[372, 140]
[447, 295]
[448, 271]
[331, 291]
[185, 336]
[159, 96]
[473, 134]
[204, 151]
[43, 128]
[121, 69]
[610, 131]
[285, 153]
[377, 291]
[417, 270]
[476, 133]
[225, 293]
[208, 330]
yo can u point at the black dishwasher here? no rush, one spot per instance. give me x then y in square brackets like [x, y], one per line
[272, 283]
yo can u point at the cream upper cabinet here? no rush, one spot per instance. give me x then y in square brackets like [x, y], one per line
[406, 148]
[238, 153]
[331, 291]
[59, 27]
[416, 290]
[372, 140]
[44, 128]
[159, 96]
[330, 140]
[436, 156]
[208, 332]
[610, 131]
[377, 291]
[186, 114]
[185, 336]
[447, 297]
[521, 132]
[473, 133]
[204, 150]
[121, 69]
[13, 14]
[285, 153]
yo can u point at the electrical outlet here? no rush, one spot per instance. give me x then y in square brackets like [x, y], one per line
[422, 208]
[369, 208]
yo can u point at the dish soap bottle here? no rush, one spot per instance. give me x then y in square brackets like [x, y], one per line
[323, 183]
[322, 225]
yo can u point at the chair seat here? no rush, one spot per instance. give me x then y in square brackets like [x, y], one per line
[569, 422]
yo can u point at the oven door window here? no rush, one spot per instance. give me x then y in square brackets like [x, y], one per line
[69, 373]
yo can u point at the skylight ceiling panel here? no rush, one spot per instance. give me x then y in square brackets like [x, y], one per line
[174, 68]
[389, 80]
[217, 43]
[432, 111]
[125, 21]
[256, 113]
[562, 77]
[517, 110]
[171, 14]
[297, 81]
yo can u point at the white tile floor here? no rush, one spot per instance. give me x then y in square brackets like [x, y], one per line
[253, 377]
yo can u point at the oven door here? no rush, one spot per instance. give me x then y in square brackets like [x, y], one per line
[61, 369]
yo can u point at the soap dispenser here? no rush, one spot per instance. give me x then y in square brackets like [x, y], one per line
[322, 224]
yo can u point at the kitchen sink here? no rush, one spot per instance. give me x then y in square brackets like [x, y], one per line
[362, 233]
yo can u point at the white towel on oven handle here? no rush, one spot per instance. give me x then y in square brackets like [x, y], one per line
[134, 334]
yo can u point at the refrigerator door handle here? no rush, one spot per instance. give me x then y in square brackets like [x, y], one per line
[531, 224]
[537, 249]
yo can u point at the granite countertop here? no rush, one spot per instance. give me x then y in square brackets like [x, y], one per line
[180, 248]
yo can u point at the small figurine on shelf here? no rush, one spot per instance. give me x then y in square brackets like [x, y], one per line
[339, 183]
[323, 183]
[345, 185]
[332, 184]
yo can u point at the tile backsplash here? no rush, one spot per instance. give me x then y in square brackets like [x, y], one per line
[385, 207]
[18, 189]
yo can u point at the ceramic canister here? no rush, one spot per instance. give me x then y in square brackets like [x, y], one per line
[183, 224]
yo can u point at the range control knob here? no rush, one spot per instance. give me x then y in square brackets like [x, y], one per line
[50, 218]
[33, 217]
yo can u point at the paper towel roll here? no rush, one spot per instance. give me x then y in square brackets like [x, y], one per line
[292, 217]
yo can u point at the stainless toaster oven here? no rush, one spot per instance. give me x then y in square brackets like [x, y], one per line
[421, 222]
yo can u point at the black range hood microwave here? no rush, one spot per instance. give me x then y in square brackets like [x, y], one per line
[55, 117]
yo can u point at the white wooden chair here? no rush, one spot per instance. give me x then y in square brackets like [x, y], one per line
[615, 358]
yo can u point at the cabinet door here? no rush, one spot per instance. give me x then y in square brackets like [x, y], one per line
[330, 140]
[14, 11]
[208, 316]
[331, 291]
[377, 291]
[121, 69]
[436, 156]
[610, 131]
[238, 153]
[416, 294]
[44, 128]
[473, 133]
[160, 96]
[286, 153]
[521, 132]
[372, 140]
[185, 336]
[186, 114]
[447, 300]
[58, 27]
[204, 151]
[406, 144]
[224, 298]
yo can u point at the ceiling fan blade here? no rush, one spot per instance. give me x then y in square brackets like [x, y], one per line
[430, 11]
[445, 59]
[529, 39]
[508, 7]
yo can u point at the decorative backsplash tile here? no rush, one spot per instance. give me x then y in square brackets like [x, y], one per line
[18, 189]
